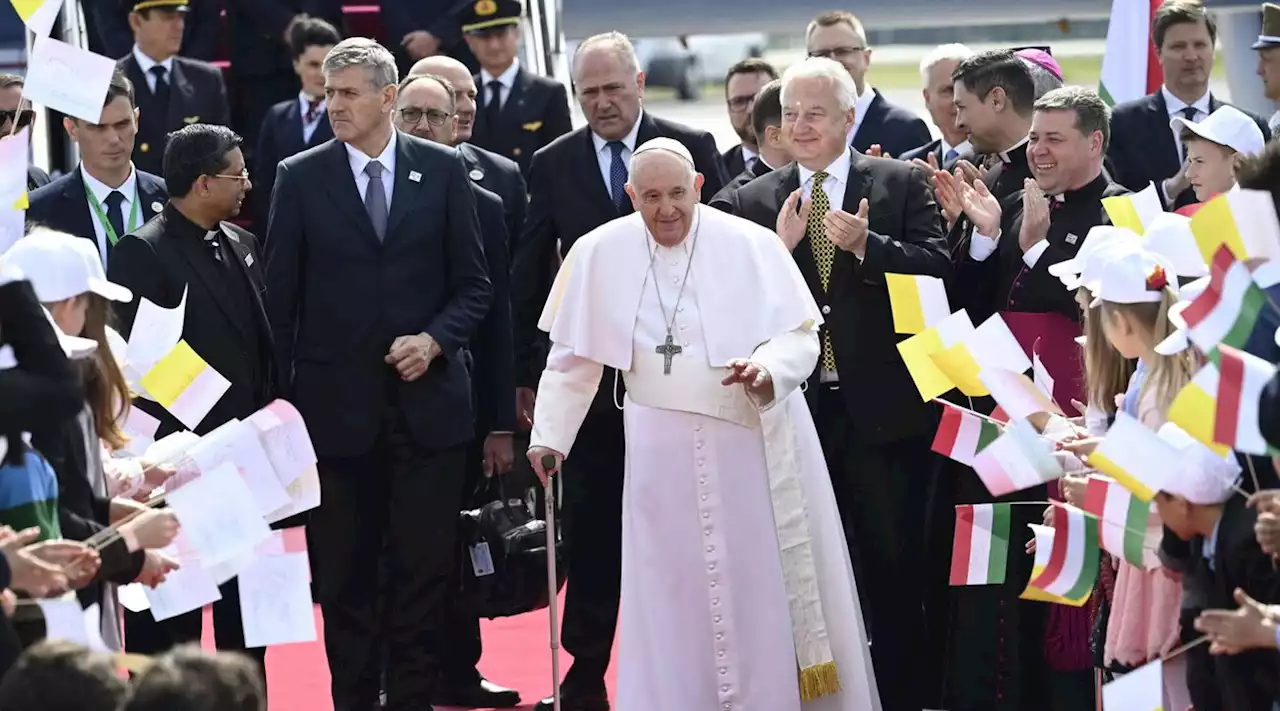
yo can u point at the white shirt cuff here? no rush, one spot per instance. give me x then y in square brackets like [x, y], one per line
[981, 246]
[1031, 256]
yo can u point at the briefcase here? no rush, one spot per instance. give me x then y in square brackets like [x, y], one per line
[504, 555]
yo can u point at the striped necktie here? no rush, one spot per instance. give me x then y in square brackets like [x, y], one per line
[824, 252]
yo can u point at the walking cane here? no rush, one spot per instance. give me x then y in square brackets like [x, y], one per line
[549, 464]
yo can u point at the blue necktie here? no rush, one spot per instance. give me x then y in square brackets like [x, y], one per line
[951, 155]
[618, 175]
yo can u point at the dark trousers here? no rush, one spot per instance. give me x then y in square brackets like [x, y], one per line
[593, 475]
[143, 635]
[881, 490]
[408, 497]
[463, 648]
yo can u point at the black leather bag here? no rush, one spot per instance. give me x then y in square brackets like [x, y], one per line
[507, 545]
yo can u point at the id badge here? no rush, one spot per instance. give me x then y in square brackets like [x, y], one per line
[481, 561]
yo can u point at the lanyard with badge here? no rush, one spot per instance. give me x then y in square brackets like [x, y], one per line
[110, 231]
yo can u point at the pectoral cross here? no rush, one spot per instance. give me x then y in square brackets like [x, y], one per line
[668, 351]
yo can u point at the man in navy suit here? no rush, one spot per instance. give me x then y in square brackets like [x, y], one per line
[374, 292]
[742, 83]
[578, 184]
[1144, 148]
[201, 24]
[491, 171]
[427, 108]
[940, 100]
[105, 197]
[519, 112]
[839, 35]
[171, 91]
[296, 124]
[417, 29]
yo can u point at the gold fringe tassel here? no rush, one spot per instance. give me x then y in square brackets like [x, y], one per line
[818, 681]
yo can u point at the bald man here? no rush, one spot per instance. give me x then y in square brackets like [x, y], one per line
[491, 171]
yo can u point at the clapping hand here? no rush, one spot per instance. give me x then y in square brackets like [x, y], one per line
[1035, 215]
[969, 173]
[876, 151]
[1267, 526]
[150, 530]
[753, 376]
[947, 187]
[848, 232]
[982, 207]
[156, 568]
[793, 219]
[30, 574]
[77, 561]
[1251, 626]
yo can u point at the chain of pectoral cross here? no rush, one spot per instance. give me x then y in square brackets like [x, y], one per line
[670, 349]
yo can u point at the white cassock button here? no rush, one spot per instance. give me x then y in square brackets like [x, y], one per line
[704, 497]
[706, 514]
[701, 461]
[720, 654]
[711, 566]
[684, 327]
[706, 531]
[711, 549]
[725, 688]
[723, 671]
[714, 584]
[675, 280]
[698, 445]
[715, 602]
[698, 428]
[826, 309]
[716, 619]
[702, 480]
[719, 636]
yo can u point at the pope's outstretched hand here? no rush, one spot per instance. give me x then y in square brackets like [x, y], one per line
[536, 457]
[754, 377]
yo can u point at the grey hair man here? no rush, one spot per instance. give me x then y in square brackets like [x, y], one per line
[377, 282]
[940, 99]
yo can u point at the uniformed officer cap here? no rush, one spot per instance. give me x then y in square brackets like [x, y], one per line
[178, 5]
[483, 15]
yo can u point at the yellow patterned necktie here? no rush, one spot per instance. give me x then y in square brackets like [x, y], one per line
[824, 253]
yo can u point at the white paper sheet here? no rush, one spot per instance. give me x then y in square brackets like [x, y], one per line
[275, 601]
[133, 597]
[15, 156]
[188, 588]
[194, 404]
[237, 442]
[156, 331]
[284, 435]
[65, 620]
[64, 77]
[304, 495]
[218, 514]
[1140, 690]
[141, 429]
[12, 226]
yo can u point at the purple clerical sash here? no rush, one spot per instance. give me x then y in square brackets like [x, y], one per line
[1058, 350]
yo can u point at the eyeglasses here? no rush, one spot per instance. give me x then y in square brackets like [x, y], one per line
[836, 53]
[243, 176]
[413, 117]
[741, 103]
[24, 117]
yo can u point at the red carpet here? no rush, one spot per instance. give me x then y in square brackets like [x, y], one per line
[516, 655]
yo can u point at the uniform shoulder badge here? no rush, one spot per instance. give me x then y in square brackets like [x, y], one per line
[533, 126]
[191, 119]
[484, 8]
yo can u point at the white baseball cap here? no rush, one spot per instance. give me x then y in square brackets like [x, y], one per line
[60, 266]
[1096, 260]
[1132, 277]
[1177, 341]
[1169, 235]
[1203, 477]
[1098, 238]
[1228, 126]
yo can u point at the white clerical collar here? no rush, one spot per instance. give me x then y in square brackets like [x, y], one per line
[1176, 105]
[1004, 155]
[387, 157]
[602, 144]
[145, 63]
[101, 190]
[839, 168]
[507, 78]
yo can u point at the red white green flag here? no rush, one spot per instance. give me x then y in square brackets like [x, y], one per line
[1073, 563]
[1226, 312]
[981, 548]
[961, 435]
[1122, 522]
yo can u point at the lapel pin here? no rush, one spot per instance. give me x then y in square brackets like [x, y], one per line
[1072, 239]
[248, 260]
[476, 174]
[415, 176]
[156, 206]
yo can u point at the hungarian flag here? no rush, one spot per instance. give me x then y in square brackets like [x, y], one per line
[1122, 522]
[1018, 459]
[961, 435]
[1129, 67]
[1044, 536]
[1226, 312]
[1073, 563]
[1219, 406]
[981, 546]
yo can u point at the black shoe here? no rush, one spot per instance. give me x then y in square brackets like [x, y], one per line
[576, 701]
[483, 695]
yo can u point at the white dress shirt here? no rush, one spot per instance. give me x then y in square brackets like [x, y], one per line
[1175, 106]
[309, 129]
[604, 155]
[1273, 123]
[100, 190]
[947, 148]
[145, 63]
[860, 106]
[388, 160]
[507, 79]
[748, 155]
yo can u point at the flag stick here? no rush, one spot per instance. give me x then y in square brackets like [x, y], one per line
[1186, 647]
[1253, 473]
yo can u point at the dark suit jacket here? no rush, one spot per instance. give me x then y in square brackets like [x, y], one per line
[492, 349]
[895, 129]
[36, 178]
[280, 137]
[203, 25]
[196, 95]
[905, 237]
[1248, 680]
[338, 297]
[255, 32]
[569, 198]
[500, 176]
[439, 17]
[535, 113]
[158, 263]
[734, 164]
[63, 205]
[935, 147]
[722, 199]
[1142, 147]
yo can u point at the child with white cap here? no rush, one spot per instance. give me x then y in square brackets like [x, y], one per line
[67, 276]
[1213, 146]
[1199, 503]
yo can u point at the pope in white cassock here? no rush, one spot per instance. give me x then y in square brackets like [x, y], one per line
[737, 589]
